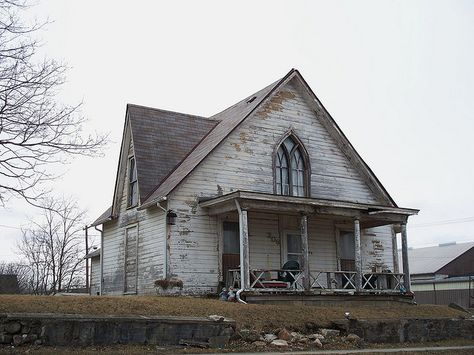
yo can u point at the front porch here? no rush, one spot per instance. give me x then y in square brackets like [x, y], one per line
[324, 266]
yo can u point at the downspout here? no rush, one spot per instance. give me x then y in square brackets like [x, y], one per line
[165, 211]
[101, 258]
[242, 285]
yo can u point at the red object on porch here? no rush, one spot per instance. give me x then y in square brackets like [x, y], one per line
[271, 284]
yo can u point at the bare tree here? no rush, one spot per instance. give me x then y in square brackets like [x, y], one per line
[35, 130]
[21, 271]
[53, 247]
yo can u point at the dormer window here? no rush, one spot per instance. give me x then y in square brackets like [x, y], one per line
[290, 169]
[132, 185]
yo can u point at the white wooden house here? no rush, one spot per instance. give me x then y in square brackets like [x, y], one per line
[229, 199]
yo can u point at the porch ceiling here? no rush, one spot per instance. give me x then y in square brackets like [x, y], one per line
[370, 215]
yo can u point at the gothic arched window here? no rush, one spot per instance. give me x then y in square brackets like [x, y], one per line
[290, 169]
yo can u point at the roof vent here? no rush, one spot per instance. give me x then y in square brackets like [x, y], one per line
[447, 244]
[251, 99]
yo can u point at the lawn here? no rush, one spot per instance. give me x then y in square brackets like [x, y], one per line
[259, 317]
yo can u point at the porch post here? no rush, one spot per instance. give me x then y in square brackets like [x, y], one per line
[244, 250]
[406, 269]
[396, 268]
[358, 257]
[305, 252]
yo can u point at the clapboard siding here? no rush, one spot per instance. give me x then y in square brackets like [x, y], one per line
[151, 225]
[95, 276]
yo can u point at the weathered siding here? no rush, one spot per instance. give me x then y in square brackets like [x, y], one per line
[151, 224]
[244, 161]
[95, 276]
[376, 248]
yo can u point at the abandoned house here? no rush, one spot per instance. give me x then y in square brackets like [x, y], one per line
[267, 196]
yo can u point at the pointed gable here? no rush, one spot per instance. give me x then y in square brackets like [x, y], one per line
[267, 100]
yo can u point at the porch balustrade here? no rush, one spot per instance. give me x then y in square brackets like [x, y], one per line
[328, 281]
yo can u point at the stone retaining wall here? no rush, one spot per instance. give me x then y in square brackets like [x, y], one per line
[64, 329]
[409, 330]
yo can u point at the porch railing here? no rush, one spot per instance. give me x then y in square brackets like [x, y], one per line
[331, 281]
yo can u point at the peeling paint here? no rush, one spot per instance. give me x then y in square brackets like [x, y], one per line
[187, 243]
[275, 104]
[193, 204]
[236, 146]
[184, 231]
[243, 137]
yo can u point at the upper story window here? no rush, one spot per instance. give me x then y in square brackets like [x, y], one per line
[290, 169]
[132, 183]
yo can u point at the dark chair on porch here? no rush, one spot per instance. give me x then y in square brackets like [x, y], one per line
[289, 271]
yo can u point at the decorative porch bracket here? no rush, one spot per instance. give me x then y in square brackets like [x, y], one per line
[305, 252]
[406, 269]
[244, 248]
[358, 256]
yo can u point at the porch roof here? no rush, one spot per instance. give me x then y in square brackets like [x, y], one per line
[369, 213]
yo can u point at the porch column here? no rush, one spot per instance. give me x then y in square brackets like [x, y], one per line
[396, 268]
[244, 250]
[305, 252]
[406, 269]
[358, 256]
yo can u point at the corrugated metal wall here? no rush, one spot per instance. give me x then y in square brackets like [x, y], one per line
[444, 296]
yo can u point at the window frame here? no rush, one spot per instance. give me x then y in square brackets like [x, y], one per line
[132, 185]
[298, 145]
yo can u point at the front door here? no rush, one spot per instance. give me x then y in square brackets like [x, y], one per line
[131, 260]
[231, 252]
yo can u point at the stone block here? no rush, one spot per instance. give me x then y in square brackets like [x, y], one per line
[13, 327]
[6, 339]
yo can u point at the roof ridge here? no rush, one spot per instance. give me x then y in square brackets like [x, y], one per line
[168, 111]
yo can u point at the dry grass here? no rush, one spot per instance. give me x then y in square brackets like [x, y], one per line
[255, 316]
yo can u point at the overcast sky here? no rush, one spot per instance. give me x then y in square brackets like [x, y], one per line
[397, 76]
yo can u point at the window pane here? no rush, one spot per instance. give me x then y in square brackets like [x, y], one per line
[289, 144]
[293, 243]
[347, 245]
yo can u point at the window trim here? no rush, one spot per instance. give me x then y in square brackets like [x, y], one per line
[307, 166]
[129, 182]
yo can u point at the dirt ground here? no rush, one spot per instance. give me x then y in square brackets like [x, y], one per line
[258, 317]
[233, 347]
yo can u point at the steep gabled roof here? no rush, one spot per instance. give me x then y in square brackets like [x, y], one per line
[169, 145]
[161, 140]
[431, 259]
[231, 118]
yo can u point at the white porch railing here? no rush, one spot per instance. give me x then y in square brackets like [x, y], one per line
[331, 281]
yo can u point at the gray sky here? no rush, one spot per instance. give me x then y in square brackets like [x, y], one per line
[397, 76]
